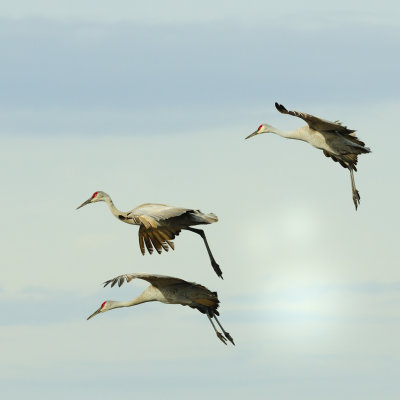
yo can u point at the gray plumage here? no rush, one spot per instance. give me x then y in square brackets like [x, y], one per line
[159, 224]
[334, 139]
[170, 290]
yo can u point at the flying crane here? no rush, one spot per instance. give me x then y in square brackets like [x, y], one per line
[335, 140]
[170, 290]
[159, 224]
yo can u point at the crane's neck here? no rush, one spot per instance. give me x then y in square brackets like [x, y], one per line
[117, 213]
[149, 294]
[298, 134]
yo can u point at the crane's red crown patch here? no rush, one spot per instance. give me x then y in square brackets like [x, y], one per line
[94, 195]
[103, 304]
[259, 128]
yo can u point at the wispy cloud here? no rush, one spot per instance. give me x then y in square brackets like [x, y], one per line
[75, 76]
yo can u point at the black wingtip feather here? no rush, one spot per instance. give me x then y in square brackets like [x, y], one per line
[280, 107]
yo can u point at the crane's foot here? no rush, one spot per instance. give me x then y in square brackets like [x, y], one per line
[356, 199]
[221, 337]
[229, 337]
[217, 269]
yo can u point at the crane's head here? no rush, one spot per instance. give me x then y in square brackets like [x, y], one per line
[106, 305]
[96, 196]
[263, 128]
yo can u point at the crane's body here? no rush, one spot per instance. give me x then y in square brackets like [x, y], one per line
[170, 290]
[331, 142]
[335, 140]
[160, 223]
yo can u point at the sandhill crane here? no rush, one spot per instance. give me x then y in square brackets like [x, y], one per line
[335, 140]
[159, 224]
[170, 290]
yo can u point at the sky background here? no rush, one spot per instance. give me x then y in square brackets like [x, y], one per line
[151, 102]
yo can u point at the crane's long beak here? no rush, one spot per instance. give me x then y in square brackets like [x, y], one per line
[253, 134]
[95, 313]
[84, 203]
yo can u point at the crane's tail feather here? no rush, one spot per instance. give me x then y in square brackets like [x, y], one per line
[206, 302]
[211, 218]
[197, 217]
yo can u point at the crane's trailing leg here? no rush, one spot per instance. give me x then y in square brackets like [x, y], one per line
[227, 335]
[214, 264]
[219, 334]
[356, 195]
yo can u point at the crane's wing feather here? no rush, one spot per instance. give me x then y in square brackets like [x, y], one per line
[159, 224]
[155, 280]
[159, 238]
[316, 123]
[154, 216]
[156, 212]
[346, 149]
[345, 160]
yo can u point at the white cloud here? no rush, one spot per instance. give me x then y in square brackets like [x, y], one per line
[309, 15]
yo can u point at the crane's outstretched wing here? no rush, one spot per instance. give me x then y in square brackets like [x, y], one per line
[152, 232]
[347, 148]
[150, 213]
[155, 280]
[160, 238]
[201, 298]
[316, 123]
[154, 215]
[345, 160]
[159, 224]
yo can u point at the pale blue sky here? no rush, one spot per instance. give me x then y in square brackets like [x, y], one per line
[151, 102]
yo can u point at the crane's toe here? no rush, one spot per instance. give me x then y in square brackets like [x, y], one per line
[221, 337]
[217, 269]
[356, 199]
[229, 337]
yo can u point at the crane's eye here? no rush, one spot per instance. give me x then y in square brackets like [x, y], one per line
[259, 128]
[103, 304]
[94, 195]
